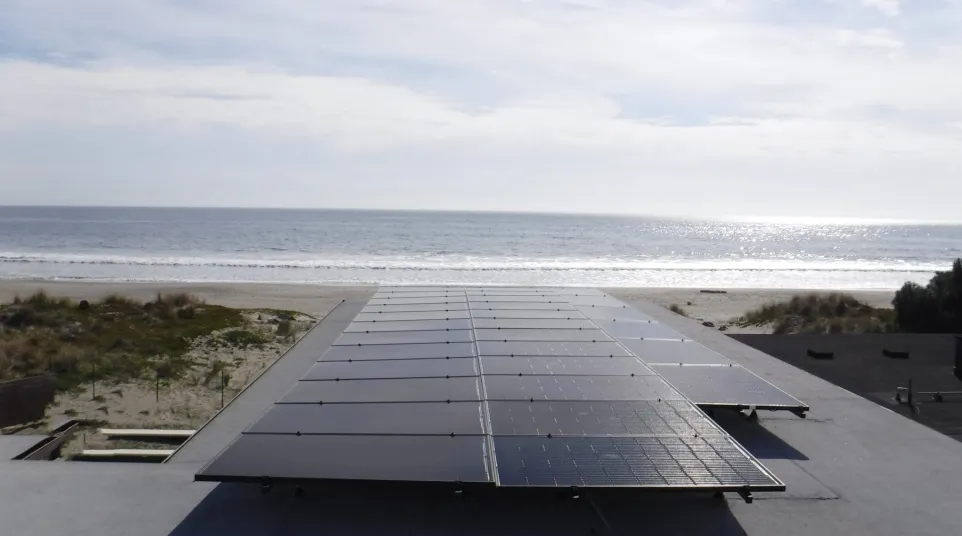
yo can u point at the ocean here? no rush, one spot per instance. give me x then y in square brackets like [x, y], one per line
[395, 247]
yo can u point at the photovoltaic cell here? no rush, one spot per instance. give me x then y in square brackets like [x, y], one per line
[578, 388]
[726, 386]
[403, 337]
[674, 352]
[547, 335]
[405, 390]
[399, 351]
[586, 349]
[342, 457]
[416, 418]
[531, 298]
[566, 366]
[395, 368]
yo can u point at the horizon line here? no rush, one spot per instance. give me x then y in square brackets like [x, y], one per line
[728, 218]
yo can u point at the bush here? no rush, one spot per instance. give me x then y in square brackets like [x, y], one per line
[677, 309]
[934, 308]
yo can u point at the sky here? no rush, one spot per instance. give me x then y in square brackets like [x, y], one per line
[703, 108]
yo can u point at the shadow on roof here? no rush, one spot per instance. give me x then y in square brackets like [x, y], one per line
[241, 509]
[760, 442]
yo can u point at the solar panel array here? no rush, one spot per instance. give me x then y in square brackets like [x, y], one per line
[508, 386]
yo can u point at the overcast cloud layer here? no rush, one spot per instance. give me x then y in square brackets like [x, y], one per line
[848, 108]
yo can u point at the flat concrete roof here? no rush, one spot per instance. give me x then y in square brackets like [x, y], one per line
[851, 467]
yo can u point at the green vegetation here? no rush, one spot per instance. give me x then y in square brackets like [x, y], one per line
[934, 308]
[677, 309]
[115, 339]
[821, 313]
[244, 338]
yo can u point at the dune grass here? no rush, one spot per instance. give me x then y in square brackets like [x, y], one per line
[116, 338]
[821, 313]
[678, 309]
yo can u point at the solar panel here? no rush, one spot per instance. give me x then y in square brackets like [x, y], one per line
[395, 390]
[599, 418]
[364, 318]
[395, 368]
[526, 306]
[506, 386]
[416, 301]
[403, 337]
[409, 325]
[674, 352]
[613, 313]
[586, 349]
[539, 314]
[656, 462]
[533, 323]
[346, 457]
[640, 330]
[564, 335]
[415, 418]
[718, 386]
[399, 351]
[578, 388]
[565, 366]
[415, 307]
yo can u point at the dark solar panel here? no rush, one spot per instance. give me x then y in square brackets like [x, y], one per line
[548, 335]
[409, 325]
[365, 318]
[525, 306]
[416, 301]
[415, 307]
[587, 349]
[578, 388]
[627, 461]
[416, 418]
[399, 351]
[596, 301]
[502, 314]
[403, 337]
[708, 385]
[641, 330]
[570, 366]
[534, 323]
[405, 390]
[599, 418]
[395, 368]
[335, 457]
[613, 313]
[476, 300]
[662, 351]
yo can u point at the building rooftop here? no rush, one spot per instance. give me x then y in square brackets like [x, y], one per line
[852, 466]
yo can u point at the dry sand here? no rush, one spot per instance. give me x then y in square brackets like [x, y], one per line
[722, 309]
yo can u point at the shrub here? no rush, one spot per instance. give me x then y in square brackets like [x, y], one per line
[934, 308]
[677, 309]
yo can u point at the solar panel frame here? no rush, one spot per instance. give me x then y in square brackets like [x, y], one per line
[404, 337]
[544, 335]
[409, 325]
[392, 369]
[413, 418]
[459, 389]
[731, 386]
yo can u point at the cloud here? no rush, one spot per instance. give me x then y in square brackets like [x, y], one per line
[889, 7]
[696, 93]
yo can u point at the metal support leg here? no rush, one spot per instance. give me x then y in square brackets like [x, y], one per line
[746, 496]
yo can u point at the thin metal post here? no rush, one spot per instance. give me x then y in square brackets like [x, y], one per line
[157, 386]
[223, 382]
[93, 379]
